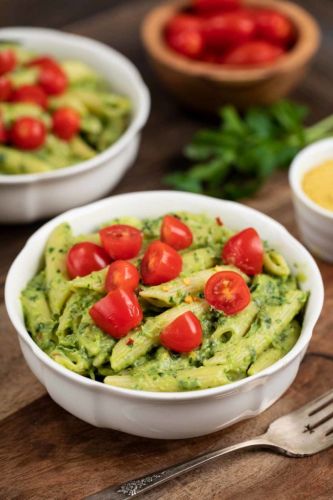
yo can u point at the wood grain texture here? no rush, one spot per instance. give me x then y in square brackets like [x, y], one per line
[47, 453]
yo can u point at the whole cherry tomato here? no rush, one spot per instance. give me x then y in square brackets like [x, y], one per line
[3, 132]
[227, 292]
[183, 34]
[53, 80]
[84, 258]
[184, 333]
[65, 123]
[123, 274]
[30, 93]
[175, 233]
[160, 263]
[228, 30]
[189, 43]
[121, 241]
[7, 61]
[274, 27]
[44, 62]
[218, 6]
[245, 250]
[183, 22]
[117, 313]
[28, 133]
[6, 88]
[255, 52]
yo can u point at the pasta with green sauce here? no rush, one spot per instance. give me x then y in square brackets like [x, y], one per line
[234, 346]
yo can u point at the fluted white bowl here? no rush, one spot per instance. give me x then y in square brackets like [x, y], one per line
[28, 197]
[315, 222]
[151, 414]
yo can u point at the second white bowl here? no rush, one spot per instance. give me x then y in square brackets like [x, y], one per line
[25, 198]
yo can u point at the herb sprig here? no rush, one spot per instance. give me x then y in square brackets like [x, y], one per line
[234, 160]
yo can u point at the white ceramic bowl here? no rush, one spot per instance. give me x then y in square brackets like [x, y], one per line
[163, 415]
[25, 198]
[315, 222]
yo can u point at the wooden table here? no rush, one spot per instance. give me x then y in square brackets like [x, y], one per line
[46, 453]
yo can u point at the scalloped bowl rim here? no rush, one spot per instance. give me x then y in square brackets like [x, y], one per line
[234, 387]
[137, 122]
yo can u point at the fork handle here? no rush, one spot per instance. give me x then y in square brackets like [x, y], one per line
[144, 483]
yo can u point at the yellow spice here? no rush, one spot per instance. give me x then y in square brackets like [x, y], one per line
[317, 184]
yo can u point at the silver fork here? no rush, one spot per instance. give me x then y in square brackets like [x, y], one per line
[303, 432]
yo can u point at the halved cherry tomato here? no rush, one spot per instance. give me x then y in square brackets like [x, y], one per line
[274, 27]
[3, 132]
[228, 30]
[84, 258]
[66, 123]
[227, 292]
[53, 80]
[208, 6]
[6, 88]
[175, 233]
[117, 313]
[7, 61]
[121, 241]
[189, 43]
[30, 93]
[245, 250]
[160, 263]
[123, 274]
[184, 333]
[44, 62]
[28, 133]
[255, 52]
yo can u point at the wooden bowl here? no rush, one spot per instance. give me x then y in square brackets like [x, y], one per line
[204, 86]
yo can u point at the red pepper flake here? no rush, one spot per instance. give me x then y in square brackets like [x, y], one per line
[219, 221]
[130, 342]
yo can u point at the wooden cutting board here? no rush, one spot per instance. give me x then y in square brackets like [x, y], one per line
[45, 453]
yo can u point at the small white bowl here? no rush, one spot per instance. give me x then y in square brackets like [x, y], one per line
[28, 197]
[315, 222]
[176, 414]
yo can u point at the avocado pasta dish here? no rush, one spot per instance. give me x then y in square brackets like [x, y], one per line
[174, 303]
[54, 113]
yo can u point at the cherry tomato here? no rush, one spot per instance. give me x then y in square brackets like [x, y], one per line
[184, 333]
[84, 258]
[28, 133]
[44, 62]
[66, 123]
[227, 292]
[227, 30]
[122, 274]
[117, 313]
[255, 52]
[274, 27]
[160, 263]
[175, 233]
[6, 88]
[183, 34]
[30, 93]
[245, 250]
[183, 22]
[121, 241]
[208, 6]
[53, 80]
[7, 61]
[189, 43]
[3, 132]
